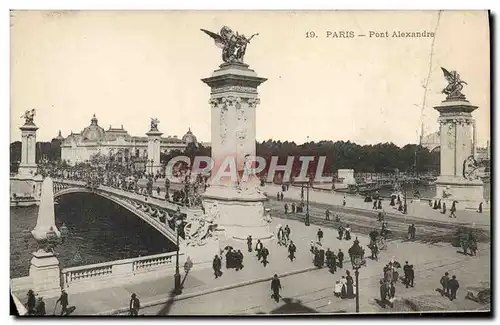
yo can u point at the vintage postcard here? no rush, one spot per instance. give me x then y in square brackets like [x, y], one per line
[250, 162]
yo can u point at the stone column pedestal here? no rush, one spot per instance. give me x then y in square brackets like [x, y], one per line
[154, 148]
[233, 101]
[456, 123]
[28, 165]
[45, 274]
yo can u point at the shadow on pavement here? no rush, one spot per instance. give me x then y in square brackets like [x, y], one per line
[168, 305]
[292, 306]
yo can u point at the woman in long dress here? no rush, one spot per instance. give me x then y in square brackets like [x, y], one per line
[349, 285]
[343, 291]
[348, 233]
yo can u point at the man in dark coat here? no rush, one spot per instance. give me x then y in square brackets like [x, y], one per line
[40, 308]
[134, 305]
[445, 279]
[281, 196]
[286, 208]
[392, 291]
[258, 249]
[238, 260]
[383, 293]
[292, 249]
[453, 286]
[411, 276]
[327, 214]
[334, 263]
[288, 231]
[265, 254]
[217, 265]
[405, 270]
[340, 256]
[278, 196]
[63, 299]
[293, 207]
[31, 302]
[275, 288]
[328, 258]
[320, 235]
[379, 204]
[249, 243]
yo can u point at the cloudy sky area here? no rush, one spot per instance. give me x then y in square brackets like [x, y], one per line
[129, 66]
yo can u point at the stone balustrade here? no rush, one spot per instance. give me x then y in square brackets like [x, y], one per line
[97, 276]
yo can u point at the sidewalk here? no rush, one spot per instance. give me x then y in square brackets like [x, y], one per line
[107, 301]
[417, 209]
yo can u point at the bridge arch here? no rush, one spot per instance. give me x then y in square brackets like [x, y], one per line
[150, 214]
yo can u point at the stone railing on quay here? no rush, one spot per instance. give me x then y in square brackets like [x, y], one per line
[108, 274]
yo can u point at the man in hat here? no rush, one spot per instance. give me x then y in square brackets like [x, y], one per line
[320, 235]
[275, 287]
[292, 249]
[340, 256]
[445, 279]
[259, 248]
[40, 308]
[63, 299]
[135, 305]
[217, 265]
[31, 302]
[265, 254]
[453, 287]
[249, 243]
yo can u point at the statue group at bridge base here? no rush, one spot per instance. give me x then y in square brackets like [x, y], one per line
[240, 214]
[468, 193]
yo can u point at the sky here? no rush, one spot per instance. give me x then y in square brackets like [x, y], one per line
[129, 66]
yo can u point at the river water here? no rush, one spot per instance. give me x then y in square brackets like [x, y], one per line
[99, 231]
[426, 191]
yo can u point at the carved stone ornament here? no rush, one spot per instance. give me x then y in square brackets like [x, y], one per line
[451, 136]
[241, 89]
[223, 123]
[253, 102]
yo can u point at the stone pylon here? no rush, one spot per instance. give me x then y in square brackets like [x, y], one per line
[233, 101]
[44, 270]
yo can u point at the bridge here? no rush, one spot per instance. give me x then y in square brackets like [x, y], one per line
[157, 212]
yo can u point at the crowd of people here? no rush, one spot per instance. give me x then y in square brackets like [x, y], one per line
[36, 306]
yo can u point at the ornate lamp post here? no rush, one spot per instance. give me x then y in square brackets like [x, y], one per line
[177, 276]
[357, 256]
[307, 223]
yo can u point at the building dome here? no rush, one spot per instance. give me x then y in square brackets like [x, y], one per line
[431, 141]
[189, 137]
[93, 132]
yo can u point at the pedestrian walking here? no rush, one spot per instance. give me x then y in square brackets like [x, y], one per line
[239, 260]
[327, 214]
[343, 202]
[265, 254]
[288, 231]
[217, 265]
[392, 291]
[405, 270]
[286, 208]
[340, 256]
[445, 279]
[275, 288]
[453, 210]
[379, 204]
[40, 308]
[383, 293]
[278, 196]
[293, 207]
[249, 243]
[281, 196]
[453, 287]
[291, 250]
[258, 249]
[134, 305]
[63, 300]
[411, 276]
[320, 235]
[30, 305]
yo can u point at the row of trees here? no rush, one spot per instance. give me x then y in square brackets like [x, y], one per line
[382, 157]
